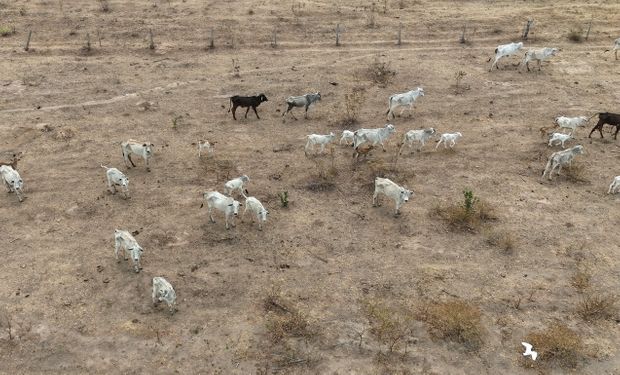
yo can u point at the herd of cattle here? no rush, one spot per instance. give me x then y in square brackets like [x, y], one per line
[362, 140]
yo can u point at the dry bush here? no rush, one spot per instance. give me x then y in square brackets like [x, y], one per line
[105, 7]
[379, 72]
[353, 102]
[385, 169]
[557, 345]
[576, 35]
[324, 178]
[6, 30]
[283, 319]
[456, 321]
[597, 307]
[389, 326]
[581, 281]
[576, 173]
[468, 215]
[503, 240]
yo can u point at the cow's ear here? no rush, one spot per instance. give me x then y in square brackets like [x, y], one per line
[152, 145]
[144, 145]
[240, 204]
[230, 205]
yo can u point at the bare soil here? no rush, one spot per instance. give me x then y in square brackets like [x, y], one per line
[68, 307]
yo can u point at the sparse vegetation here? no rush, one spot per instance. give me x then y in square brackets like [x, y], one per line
[389, 326]
[283, 195]
[503, 240]
[283, 319]
[104, 5]
[576, 35]
[176, 120]
[576, 173]
[6, 30]
[468, 215]
[380, 73]
[597, 307]
[458, 77]
[456, 321]
[371, 21]
[324, 179]
[353, 102]
[581, 281]
[236, 68]
[558, 345]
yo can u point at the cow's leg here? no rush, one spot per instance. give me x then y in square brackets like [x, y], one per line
[382, 146]
[246, 112]
[600, 126]
[306, 114]
[113, 188]
[539, 65]
[374, 198]
[438, 143]
[256, 113]
[131, 161]
[322, 148]
[234, 109]
[397, 210]
[154, 295]
[146, 162]
[117, 246]
[211, 215]
[617, 129]
[592, 131]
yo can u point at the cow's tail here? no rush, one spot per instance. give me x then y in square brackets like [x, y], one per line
[103, 166]
[230, 104]
[589, 118]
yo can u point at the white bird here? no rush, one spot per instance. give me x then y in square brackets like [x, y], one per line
[529, 351]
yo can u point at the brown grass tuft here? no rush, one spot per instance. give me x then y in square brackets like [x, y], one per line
[389, 326]
[597, 307]
[576, 35]
[503, 240]
[283, 319]
[353, 103]
[468, 215]
[380, 73]
[558, 345]
[576, 173]
[456, 321]
[581, 281]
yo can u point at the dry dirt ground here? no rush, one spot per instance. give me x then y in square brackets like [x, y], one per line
[68, 307]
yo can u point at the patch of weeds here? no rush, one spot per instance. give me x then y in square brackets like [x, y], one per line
[597, 307]
[379, 72]
[284, 320]
[324, 178]
[576, 173]
[283, 195]
[6, 30]
[576, 35]
[557, 345]
[456, 321]
[389, 326]
[581, 281]
[468, 215]
[353, 103]
[503, 240]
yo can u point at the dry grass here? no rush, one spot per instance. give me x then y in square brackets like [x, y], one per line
[597, 307]
[325, 177]
[6, 31]
[353, 102]
[576, 35]
[284, 320]
[456, 321]
[503, 240]
[468, 215]
[380, 73]
[581, 281]
[390, 326]
[558, 345]
[576, 173]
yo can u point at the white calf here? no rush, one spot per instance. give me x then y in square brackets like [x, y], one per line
[257, 208]
[561, 158]
[347, 136]
[421, 135]
[123, 239]
[12, 181]
[399, 194]
[237, 184]
[538, 55]
[504, 50]
[318, 139]
[163, 291]
[571, 123]
[205, 145]
[449, 137]
[373, 136]
[559, 138]
[133, 147]
[220, 202]
[615, 186]
[116, 178]
[405, 99]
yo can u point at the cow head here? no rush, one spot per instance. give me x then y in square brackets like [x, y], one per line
[390, 128]
[420, 91]
[245, 178]
[136, 253]
[148, 148]
[262, 214]
[235, 207]
[405, 194]
[459, 135]
[318, 95]
[553, 51]
[262, 98]
[577, 149]
[430, 131]
[520, 45]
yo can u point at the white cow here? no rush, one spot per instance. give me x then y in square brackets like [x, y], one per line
[220, 202]
[571, 123]
[616, 47]
[237, 184]
[144, 149]
[405, 99]
[538, 55]
[449, 137]
[347, 136]
[373, 136]
[614, 186]
[163, 291]
[559, 138]
[124, 240]
[306, 101]
[561, 158]
[12, 181]
[205, 145]
[420, 135]
[116, 178]
[318, 139]
[399, 194]
[504, 50]
[257, 208]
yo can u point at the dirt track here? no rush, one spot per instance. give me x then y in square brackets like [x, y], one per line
[73, 309]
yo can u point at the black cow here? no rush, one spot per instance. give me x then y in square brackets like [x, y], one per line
[612, 119]
[246, 102]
